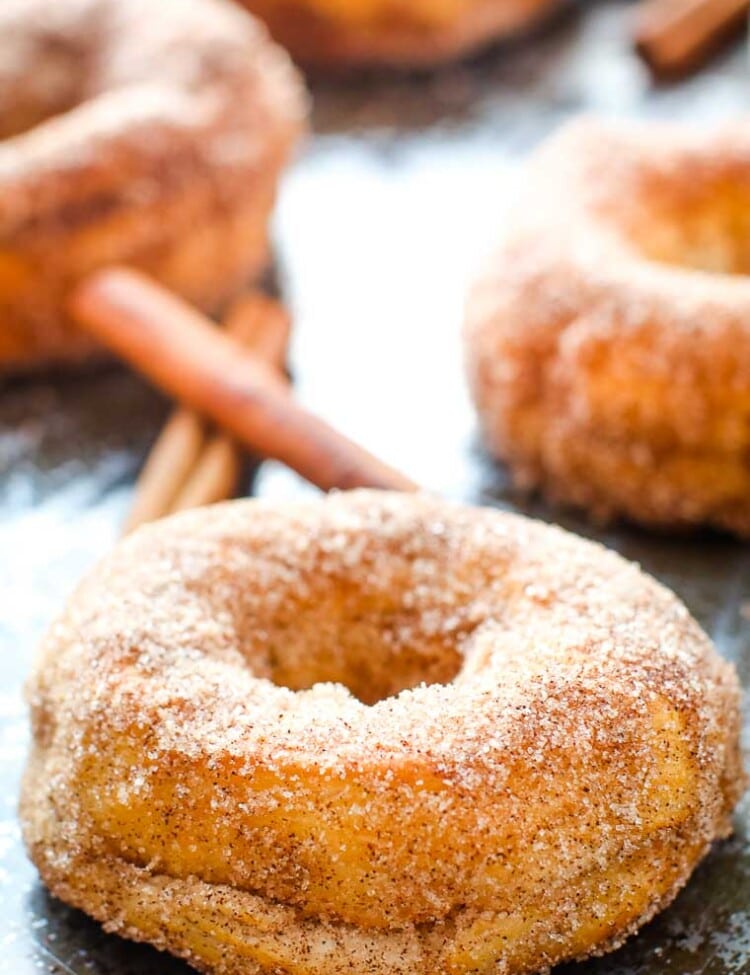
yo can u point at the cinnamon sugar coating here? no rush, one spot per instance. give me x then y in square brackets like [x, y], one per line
[150, 134]
[336, 33]
[375, 733]
[608, 341]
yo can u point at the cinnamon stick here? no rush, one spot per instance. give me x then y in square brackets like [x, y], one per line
[262, 325]
[213, 478]
[168, 466]
[186, 468]
[675, 37]
[179, 350]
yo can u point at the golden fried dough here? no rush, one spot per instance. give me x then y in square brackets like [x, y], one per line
[150, 134]
[376, 733]
[608, 341]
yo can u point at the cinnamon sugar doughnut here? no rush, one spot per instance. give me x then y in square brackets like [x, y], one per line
[608, 342]
[375, 733]
[402, 33]
[151, 134]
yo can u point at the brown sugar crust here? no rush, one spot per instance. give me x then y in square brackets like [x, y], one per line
[608, 342]
[150, 134]
[376, 733]
[341, 33]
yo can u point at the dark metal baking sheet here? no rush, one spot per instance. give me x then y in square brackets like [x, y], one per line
[381, 223]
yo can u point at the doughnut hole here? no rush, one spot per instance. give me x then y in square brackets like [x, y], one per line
[699, 222]
[353, 612]
[28, 113]
[375, 651]
[60, 79]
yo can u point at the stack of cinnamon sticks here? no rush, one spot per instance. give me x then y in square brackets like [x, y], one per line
[232, 390]
[191, 463]
[675, 37]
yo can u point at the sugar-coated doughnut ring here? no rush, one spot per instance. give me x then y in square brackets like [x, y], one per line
[401, 33]
[135, 132]
[608, 342]
[520, 748]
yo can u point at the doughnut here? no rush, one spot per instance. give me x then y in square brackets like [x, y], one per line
[374, 733]
[150, 134]
[398, 33]
[608, 340]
